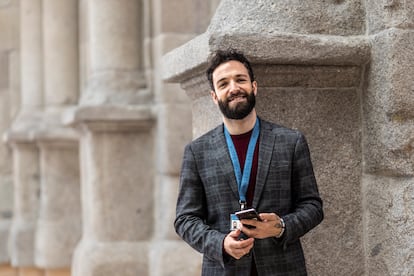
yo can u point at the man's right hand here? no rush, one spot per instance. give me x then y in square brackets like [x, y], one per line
[237, 248]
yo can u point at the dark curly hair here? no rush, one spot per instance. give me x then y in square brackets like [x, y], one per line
[221, 56]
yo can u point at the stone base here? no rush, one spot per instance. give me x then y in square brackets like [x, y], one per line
[55, 242]
[109, 259]
[4, 235]
[21, 242]
[174, 258]
[388, 217]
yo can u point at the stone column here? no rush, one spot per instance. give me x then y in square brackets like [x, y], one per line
[8, 87]
[59, 223]
[116, 145]
[173, 130]
[309, 58]
[114, 53]
[388, 179]
[21, 138]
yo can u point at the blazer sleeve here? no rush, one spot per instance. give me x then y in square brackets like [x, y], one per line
[307, 205]
[191, 212]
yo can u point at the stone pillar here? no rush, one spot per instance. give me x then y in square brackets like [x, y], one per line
[26, 200]
[173, 131]
[116, 145]
[114, 53]
[309, 58]
[8, 88]
[388, 179]
[21, 138]
[59, 224]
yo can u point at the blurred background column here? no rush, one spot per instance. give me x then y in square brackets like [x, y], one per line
[116, 118]
[9, 101]
[21, 138]
[59, 223]
[174, 121]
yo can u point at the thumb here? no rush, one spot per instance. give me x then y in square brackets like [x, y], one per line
[235, 233]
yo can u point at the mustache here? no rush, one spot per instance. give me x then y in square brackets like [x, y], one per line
[236, 95]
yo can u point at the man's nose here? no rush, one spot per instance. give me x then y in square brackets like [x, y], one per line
[234, 87]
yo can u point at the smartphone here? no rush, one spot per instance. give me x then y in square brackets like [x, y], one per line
[248, 214]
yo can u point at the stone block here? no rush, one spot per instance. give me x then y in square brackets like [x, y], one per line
[173, 133]
[166, 198]
[268, 17]
[194, 16]
[109, 259]
[389, 104]
[384, 14]
[26, 198]
[278, 49]
[388, 220]
[118, 168]
[329, 117]
[174, 258]
[21, 242]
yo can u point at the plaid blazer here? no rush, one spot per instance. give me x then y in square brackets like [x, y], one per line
[285, 185]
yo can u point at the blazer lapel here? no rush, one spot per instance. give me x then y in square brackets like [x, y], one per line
[266, 144]
[222, 156]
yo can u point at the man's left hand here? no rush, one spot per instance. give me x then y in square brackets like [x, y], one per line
[270, 226]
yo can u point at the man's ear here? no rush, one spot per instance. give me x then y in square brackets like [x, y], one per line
[214, 96]
[254, 86]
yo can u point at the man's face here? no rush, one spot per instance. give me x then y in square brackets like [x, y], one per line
[235, 93]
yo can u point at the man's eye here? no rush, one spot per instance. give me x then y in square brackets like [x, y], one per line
[223, 84]
[242, 80]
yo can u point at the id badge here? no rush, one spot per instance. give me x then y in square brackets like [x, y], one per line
[234, 222]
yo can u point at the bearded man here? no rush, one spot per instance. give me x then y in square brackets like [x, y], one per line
[244, 163]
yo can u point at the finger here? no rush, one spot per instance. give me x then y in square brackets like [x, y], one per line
[250, 222]
[268, 216]
[235, 233]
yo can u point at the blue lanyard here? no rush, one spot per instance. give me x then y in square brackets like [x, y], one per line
[243, 180]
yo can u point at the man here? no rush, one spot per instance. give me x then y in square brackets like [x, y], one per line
[246, 162]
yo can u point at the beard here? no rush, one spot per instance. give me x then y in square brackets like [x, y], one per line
[241, 109]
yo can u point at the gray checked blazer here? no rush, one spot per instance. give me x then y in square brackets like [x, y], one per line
[285, 185]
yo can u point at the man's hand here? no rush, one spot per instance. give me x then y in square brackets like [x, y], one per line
[237, 248]
[270, 226]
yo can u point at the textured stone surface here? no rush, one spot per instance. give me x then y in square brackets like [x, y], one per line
[389, 105]
[280, 48]
[311, 17]
[330, 119]
[388, 214]
[384, 14]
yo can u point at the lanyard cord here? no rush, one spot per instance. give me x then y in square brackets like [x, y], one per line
[243, 180]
